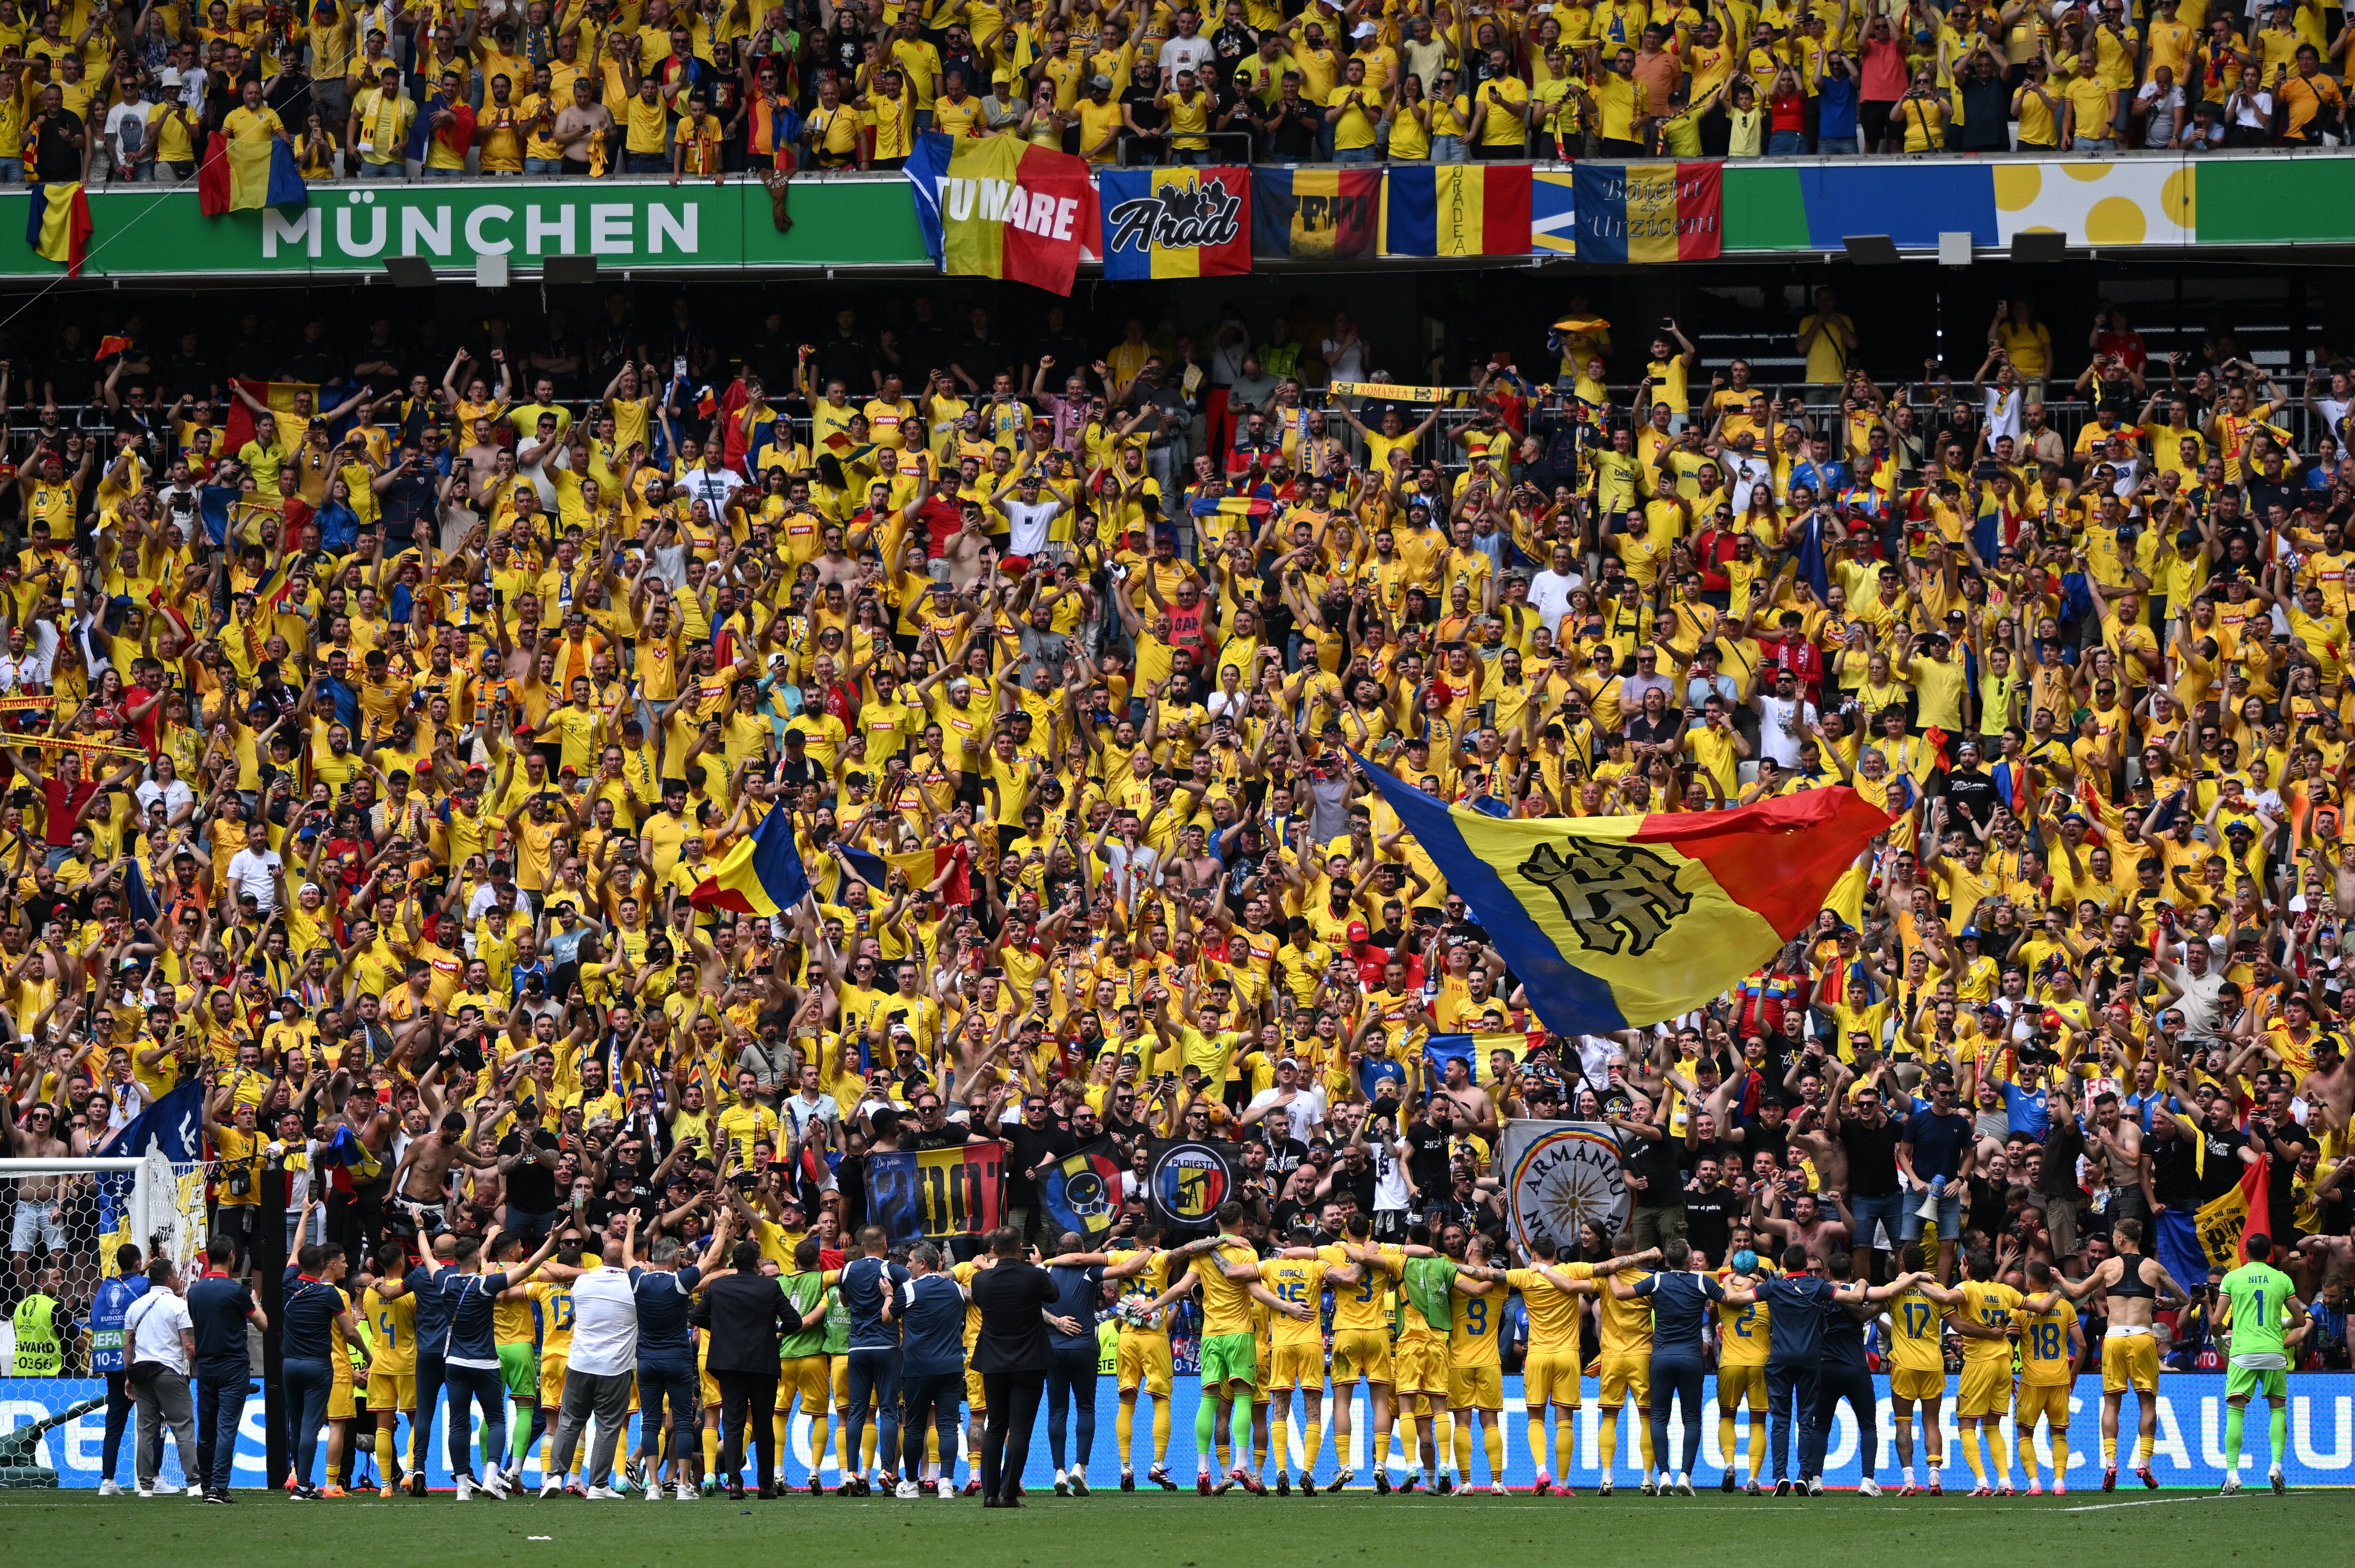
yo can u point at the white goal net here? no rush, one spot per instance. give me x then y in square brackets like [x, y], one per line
[74, 1216]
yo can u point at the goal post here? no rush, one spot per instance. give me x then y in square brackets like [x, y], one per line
[75, 1214]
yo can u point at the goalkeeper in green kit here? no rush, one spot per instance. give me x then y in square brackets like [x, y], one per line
[2259, 1300]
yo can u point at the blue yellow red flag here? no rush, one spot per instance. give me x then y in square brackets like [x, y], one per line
[1332, 212]
[1649, 212]
[1617, 922]
[58, 225]
[1477, 1051]
[1174, 222]
[245, 172]
[1456, 209]
[1000, 207]
[236, 419]
[761, 875]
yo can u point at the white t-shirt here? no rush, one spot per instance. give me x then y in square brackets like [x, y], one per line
[174, 795]
[712, 486]
[129, 129]
[1028, 521]
[604, 1323]
[1549, 592]
[250, 872]
[155, 1321]
[1306, 1110]
[1774, 740]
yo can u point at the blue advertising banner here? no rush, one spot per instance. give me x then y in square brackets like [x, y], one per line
[2189, 1453]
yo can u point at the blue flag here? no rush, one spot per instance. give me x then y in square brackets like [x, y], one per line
[174, 1124]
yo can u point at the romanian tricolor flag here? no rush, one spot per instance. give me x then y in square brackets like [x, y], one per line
[1649, 212]
[1328, 213]
[1174, 222]
[236, 420]
[1000, 207]
[1617, 922]
[952, 1192]
[247, 172]
[57, 225]
[761, 875]
[1477, 1049]
[919, 866]
[1456, 209]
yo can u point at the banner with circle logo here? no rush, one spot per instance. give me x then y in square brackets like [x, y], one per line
[1560, 1175]
[1188, 1179]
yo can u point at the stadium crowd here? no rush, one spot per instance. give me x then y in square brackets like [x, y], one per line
[591, 87]
[376, 711]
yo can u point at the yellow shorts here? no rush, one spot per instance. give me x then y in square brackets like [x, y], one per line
[2129, 1360]
[710, 1387]
[808, 1377]
[1144, 1358]
[1917, 1383]
[1360, 1353]
[1263, 1366]
[339, 1400]
[2046, 1399]
[392, 1392]
[974, 1397]
[1621, 1375]
[1422, 1366]
[551, 1382]
[1550, 1378]
[1476, 1388]
[1735, 1385]
[1986, 1388]
[1298, 1366]
[841, 1373]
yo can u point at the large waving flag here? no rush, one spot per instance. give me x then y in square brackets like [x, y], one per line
[1174, 222]
[1617, 922]
[247, 172]
[761, 875]
[1456, 209]
[1000, 207]
[1649, 212]
[1332, 212]
[57, 225]
[1081, 1192]
[236, 419]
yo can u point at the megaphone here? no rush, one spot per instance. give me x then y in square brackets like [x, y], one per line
[1929, 1209]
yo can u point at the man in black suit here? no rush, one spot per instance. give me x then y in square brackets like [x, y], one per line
[1011, 1355]
[744, 1313]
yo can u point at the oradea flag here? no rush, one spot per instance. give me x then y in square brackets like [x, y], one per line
[1188, 1179]
[1081, 1192]
[2228, 1220]
[1649, 212]
[57, 224]
[1000, 207]
[1174, 222]
[1456, 209]
[1323, 213]
[246, 171]
[761, 875]
[236, 419]
[950, 1192]
[1560, 1175]
[1617, 922]
[1553, 212]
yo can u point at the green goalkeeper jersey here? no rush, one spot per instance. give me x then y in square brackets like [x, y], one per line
[2255, 1296]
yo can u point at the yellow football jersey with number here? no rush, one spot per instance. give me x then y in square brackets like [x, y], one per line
[1366, 1306]
[1295, 1281]
[1916, 1324]
[2044, 1354]
[394, 1324]
[1472, 1334]
[1992, 1303]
